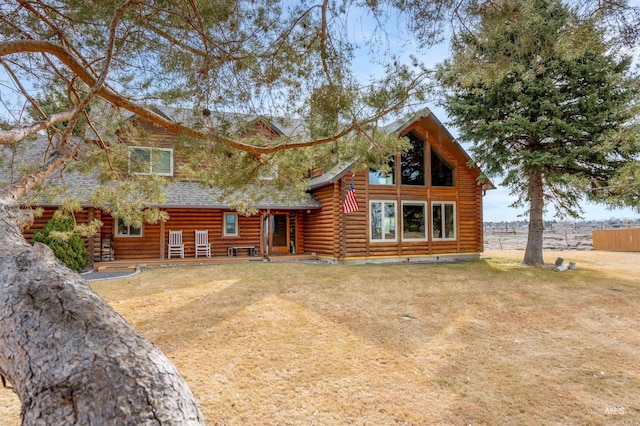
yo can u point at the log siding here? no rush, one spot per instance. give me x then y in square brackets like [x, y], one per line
[325, 231]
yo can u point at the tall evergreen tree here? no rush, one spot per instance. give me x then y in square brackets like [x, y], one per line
[542, 97]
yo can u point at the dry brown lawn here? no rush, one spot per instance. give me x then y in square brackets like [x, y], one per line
[487, 342]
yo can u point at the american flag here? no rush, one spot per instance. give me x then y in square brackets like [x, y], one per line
[350, 203]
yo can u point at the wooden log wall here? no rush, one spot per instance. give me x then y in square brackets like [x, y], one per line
[324, 228]
[38, 223]
[145, 246]
[155, 237]
[320, 226]
[300, 232]
[357, 224]
[188, 220]
[84, 216]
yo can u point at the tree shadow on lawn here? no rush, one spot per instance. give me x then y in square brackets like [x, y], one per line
[496, 342]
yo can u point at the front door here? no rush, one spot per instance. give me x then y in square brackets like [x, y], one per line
[279, 234]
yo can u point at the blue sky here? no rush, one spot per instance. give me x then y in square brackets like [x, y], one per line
[496, 202]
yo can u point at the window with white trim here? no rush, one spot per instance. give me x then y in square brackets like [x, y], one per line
[147, 161]
[383, 220]
[125, 230]
[443, 217]
[230, 224]
[414, 221]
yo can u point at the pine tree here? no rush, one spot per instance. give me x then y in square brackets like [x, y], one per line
[542, 98]
[66, 243]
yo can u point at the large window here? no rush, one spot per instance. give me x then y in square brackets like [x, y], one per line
[412, 162]
[383, 220]
[414, 221]
[124, 230]
[231, 224]
[443, 216]
[378, 178]
[441, 172]
[146, 161]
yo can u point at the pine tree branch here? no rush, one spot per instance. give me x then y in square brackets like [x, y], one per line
[62, 54]
[57, 158]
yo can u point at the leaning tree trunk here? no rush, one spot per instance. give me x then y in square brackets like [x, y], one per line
[533, 252]
[70, 357]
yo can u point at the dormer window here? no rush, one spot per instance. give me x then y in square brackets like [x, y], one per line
[147, 161]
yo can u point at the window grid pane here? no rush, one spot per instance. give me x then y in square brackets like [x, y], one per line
[449, 231]
[230, 224]
[376, 221]
[161, 162]
[441, 172]
[383, 221]
[443, 221]
[377, 178]
[413, 221]
[412, 162]
[389, 221]
[436, 215]
[140, 160]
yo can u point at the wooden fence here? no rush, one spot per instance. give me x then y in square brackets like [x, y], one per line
[617, 239]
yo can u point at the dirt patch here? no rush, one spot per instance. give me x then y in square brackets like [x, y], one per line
[487, 342]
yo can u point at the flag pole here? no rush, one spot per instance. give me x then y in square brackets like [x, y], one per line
[351, 196]
[343, 255]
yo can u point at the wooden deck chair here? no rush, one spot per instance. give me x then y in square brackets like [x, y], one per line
[203, 247]
[175, 244]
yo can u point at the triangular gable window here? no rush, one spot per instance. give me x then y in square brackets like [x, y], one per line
[441, 172]
[412, 162]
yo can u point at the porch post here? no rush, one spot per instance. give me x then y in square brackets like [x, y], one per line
[161, 240]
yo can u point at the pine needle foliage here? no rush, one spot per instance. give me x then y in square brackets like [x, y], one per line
[68, 246]
[543, 98]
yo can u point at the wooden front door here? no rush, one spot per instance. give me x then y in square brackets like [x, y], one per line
[279, 234]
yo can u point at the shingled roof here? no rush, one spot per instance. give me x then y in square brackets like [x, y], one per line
[179, 194]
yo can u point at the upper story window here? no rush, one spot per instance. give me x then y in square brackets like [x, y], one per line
[124, 230]
[147, 161]
[412, 162]
[231, 224]
[441, 172]
[378, 178]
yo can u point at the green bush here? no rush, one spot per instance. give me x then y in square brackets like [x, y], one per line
[66, 244]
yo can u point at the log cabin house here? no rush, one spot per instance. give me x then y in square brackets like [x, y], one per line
[428, 208]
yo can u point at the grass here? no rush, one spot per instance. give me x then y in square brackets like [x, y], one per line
[488, 342]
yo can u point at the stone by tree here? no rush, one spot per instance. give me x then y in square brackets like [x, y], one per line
[546, 101]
